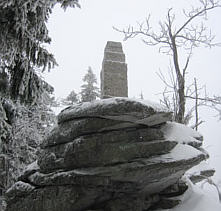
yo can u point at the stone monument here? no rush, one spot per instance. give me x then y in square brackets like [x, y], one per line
[114, 71]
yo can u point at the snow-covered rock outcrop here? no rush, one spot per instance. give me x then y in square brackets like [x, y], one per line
[113, 154]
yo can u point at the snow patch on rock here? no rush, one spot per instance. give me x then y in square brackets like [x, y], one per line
[115, 100]
[181, 152]
[181, 133]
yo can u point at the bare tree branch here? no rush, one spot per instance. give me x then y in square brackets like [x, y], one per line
[194, 13]
[170, 41]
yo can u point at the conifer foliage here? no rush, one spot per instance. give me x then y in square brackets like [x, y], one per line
[24, 115]
[23, 35]
[89, 90]
[22, 129]
[72, 97]
[23, 30]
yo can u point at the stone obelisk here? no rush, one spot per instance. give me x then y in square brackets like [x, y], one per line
[114, 71]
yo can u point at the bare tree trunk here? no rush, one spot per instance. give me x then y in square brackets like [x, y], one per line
[181, 101]
[181, 84]
[196, 106]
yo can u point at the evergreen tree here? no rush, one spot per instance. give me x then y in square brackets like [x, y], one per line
[29, 128]
[22, 128]
[23, 35]
[71, 98]
[89, 91]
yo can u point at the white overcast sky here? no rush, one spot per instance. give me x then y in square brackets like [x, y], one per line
[80, 35]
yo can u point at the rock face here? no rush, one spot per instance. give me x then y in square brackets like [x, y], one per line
[114, 154]
[114, 71]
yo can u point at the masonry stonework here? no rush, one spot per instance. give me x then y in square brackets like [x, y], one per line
[114, 71]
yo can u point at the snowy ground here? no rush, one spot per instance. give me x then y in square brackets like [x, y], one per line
[197, 198]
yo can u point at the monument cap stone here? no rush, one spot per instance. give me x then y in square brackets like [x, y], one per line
[113, 47]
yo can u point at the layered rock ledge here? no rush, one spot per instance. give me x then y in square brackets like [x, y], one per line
[113, 154]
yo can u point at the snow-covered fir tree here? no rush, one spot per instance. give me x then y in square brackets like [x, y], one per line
[89, 90]
[28, 131]
[23, 36]
[71, 98]
[24, 116]
[22, 130]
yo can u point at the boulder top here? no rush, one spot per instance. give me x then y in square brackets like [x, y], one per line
[111, 106]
